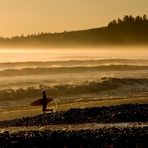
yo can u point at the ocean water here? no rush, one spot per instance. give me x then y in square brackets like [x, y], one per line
[72, 75]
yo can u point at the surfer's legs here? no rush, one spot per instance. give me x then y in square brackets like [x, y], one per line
[44, 108]
[51, 110]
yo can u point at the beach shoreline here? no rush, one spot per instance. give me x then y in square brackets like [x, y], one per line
[123, 125]
[14, 113]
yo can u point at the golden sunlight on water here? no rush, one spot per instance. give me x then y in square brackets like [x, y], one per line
[22, 55]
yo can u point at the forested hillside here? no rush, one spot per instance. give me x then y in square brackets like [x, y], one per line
[127, 31]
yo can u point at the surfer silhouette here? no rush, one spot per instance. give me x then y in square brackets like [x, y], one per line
[44, 102]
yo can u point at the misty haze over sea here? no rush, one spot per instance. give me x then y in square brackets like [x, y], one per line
[72, 75]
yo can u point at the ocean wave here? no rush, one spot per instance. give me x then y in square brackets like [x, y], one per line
[106, 84]
[69, 63]
[62, 70]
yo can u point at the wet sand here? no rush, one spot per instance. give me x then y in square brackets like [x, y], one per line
[11, 113]
[120, 126]
[74, 127]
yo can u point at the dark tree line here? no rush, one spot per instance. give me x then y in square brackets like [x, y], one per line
[129, 30]
[129, 20]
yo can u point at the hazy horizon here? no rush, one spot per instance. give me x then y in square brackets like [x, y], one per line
[44, 54]
[34, 16]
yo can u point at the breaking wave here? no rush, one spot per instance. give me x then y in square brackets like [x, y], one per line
[106, 84]
[62, 70]
[33, 77]
[70, 63]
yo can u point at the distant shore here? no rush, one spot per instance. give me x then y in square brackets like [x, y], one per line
[136, 29]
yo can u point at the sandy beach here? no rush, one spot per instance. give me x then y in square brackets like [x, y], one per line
[123, 125]
[7, 114]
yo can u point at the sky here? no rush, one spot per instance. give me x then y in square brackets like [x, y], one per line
[19, 17]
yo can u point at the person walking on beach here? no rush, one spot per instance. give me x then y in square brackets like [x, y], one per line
[44, 102]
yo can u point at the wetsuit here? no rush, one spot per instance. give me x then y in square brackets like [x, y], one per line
[44, 102]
